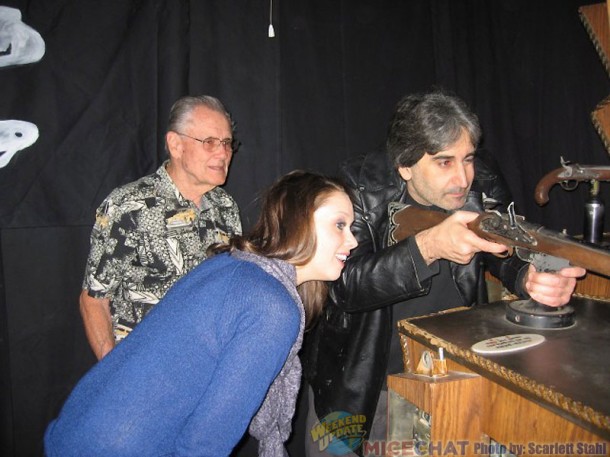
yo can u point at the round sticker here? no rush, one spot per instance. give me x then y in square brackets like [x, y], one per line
[507, 343]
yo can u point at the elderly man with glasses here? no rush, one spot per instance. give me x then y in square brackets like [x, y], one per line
[151, 232]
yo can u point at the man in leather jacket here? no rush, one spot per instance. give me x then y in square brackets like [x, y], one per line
[430, 162]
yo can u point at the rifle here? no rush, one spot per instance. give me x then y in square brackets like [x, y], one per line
[547, 249]
[568, 176]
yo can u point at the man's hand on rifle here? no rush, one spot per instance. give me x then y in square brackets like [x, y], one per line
[552, 289]
[452, 240]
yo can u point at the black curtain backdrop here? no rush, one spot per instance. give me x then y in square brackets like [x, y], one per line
[322, 90]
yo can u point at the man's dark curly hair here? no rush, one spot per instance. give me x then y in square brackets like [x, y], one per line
[427, 123]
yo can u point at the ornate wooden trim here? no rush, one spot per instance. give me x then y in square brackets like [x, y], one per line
[600, 117]
[595, 19]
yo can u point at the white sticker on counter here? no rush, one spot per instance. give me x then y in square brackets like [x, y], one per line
[507, 343]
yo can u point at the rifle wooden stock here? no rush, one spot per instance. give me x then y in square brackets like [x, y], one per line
[412, 220]
[496, 227]
[572, 172]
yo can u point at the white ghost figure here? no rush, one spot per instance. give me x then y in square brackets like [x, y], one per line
[19, 43]
[15, 136]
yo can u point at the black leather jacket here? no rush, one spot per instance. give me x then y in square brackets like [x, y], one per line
[346, 354]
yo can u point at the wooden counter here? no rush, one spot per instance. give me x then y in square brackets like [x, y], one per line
[594, 286]
[556, 393]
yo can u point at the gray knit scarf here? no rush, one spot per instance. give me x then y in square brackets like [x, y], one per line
[272, 424]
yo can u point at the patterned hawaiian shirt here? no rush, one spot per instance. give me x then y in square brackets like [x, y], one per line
[146, 236]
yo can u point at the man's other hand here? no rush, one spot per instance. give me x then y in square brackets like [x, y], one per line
[552, 289]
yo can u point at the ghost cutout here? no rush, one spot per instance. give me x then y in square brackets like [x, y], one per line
[15, 136]
[19, 43]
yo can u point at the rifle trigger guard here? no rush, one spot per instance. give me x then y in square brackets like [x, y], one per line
[569, 184]
[524, 254]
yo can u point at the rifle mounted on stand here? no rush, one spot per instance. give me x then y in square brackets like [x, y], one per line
[568, 177]
[525, 239]
[547, 250]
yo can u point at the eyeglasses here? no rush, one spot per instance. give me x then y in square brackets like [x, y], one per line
[210, 144]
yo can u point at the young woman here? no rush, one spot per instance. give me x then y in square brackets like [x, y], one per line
[219, 351]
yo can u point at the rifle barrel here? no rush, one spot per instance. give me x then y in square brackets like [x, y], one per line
[548, 242]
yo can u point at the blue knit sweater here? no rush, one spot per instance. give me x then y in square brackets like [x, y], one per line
[189, 378]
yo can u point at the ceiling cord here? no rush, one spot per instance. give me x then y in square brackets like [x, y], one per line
[271, 32]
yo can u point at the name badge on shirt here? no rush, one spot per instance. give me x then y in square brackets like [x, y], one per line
[180, 220]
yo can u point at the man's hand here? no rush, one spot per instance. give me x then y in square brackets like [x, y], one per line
[552, 289]
[452, 240]
[98, 323]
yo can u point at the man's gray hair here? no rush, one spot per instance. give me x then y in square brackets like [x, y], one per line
[180, 114]
[428, 123]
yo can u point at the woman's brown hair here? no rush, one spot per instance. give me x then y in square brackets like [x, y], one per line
[285, 228]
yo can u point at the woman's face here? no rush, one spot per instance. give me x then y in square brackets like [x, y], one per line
[332, 221]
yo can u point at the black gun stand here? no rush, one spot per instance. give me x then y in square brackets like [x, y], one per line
[530, 313]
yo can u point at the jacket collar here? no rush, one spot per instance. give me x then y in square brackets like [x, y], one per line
[377, 173]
